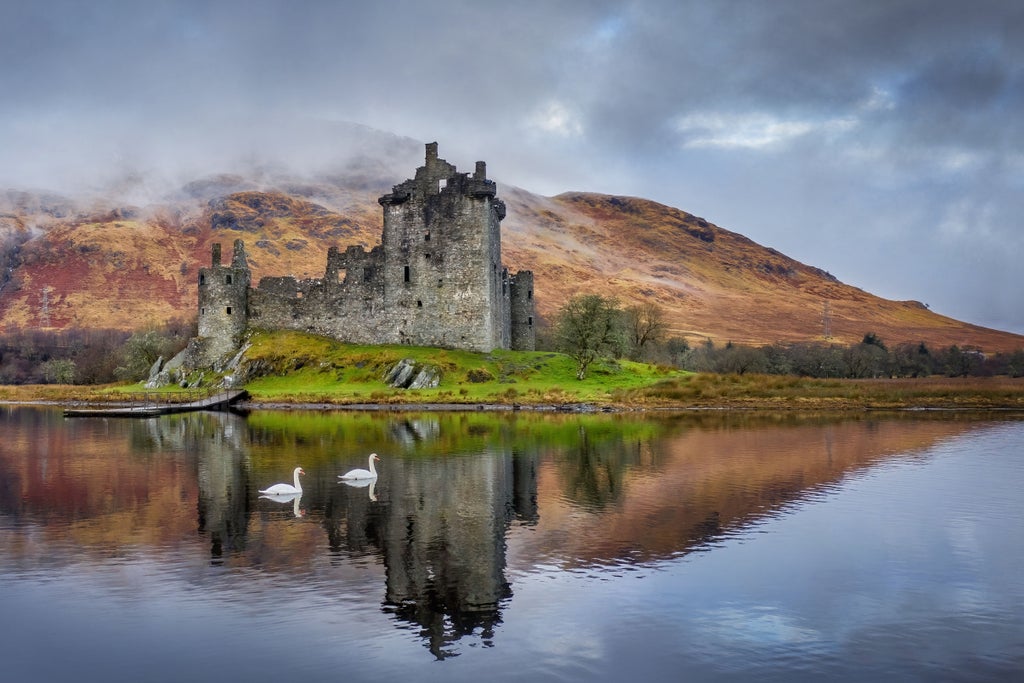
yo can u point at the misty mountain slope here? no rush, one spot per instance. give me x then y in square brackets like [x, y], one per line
[132, 267]
[712, 283]
[112, 272]
[127, 267]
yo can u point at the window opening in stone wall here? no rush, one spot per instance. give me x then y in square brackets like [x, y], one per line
[202, 279]
[427, 256]
[426, 238]
[367, 274]
[341, 275]
[529, 294]
[529, 321]
[298, 295]
[202, 311]
[229, 310]
[419, 304]
[228, 280]
[407, 273]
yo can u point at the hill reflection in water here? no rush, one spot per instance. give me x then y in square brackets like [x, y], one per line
[461, 500]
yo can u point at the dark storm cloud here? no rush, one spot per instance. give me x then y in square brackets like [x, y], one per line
[852, 135]
[626, 68]
[939, 64]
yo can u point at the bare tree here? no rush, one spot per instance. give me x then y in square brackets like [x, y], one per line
[588, 327]
[645, 324]
[739, 360]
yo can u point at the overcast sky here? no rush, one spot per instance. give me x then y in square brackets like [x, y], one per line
[881, 140]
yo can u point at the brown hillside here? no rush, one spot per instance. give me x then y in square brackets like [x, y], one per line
[711, 282]
[285, 235]
[129, 267]
[113, 271]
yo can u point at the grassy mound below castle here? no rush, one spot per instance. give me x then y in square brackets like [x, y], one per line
[292, 368]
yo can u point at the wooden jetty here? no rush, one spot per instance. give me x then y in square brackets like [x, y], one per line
[150, 406]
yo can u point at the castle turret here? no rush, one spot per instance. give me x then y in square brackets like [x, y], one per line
[223, 302]
[524, 334]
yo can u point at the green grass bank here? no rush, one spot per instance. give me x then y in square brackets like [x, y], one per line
[292, 368]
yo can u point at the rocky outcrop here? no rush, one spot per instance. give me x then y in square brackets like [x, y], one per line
[409, 374]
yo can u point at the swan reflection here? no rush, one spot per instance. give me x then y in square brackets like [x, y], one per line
[371, 484]
[292, 498]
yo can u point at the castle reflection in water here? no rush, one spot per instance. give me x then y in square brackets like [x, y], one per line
[439, 526]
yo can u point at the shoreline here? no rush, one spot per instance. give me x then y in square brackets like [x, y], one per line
[835, 406]
[697, 393]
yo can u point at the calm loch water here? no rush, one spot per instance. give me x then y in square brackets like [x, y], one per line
[512, 547]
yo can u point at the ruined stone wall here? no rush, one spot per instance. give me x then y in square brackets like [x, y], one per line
[347, 303]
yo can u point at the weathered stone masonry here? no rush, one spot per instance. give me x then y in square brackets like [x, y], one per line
[223, 304]
[436, 279]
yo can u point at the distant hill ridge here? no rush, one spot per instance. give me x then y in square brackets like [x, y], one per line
[100, 264]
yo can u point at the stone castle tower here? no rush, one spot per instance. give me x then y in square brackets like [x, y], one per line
[436, 279]
[223, 303]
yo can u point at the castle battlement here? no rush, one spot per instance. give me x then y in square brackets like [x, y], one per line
[436, 279]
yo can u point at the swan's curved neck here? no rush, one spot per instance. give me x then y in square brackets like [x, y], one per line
[297, 484]
[373, 470]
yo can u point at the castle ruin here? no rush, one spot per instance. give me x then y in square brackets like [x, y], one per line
[436, 279]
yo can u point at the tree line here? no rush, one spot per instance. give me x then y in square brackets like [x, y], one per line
[591, 327]
[80, 356]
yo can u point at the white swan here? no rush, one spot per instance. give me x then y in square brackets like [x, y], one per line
[286, 489]
[361, 473]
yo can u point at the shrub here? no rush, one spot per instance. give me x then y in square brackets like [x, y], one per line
[479, 375]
